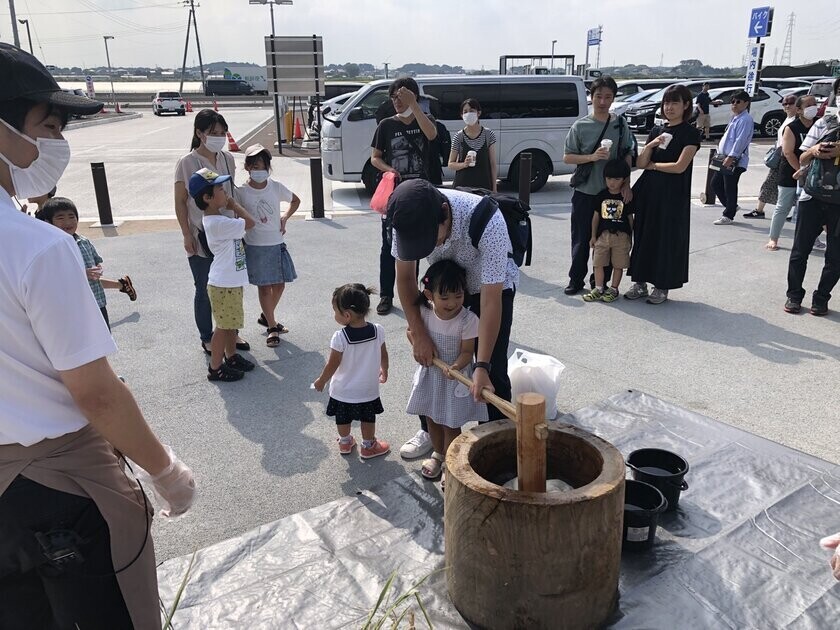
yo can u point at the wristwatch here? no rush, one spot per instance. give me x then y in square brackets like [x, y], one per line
[482, 364]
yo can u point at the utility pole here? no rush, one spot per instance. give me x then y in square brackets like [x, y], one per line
[553, 41]
[14, 23]
[110, 73]
[197, 43]
[386, 69]
[186, 46]
[28, 36]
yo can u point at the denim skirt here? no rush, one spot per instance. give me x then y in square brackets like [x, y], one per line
[269, 264]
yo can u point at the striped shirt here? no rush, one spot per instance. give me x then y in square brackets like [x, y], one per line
[91, 258]
[474, 144]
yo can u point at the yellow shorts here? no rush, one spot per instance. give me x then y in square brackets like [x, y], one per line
[612, 249]
[227, 307]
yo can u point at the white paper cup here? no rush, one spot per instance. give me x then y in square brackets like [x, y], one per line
[471, 155]
[665, 140]
[606, 143]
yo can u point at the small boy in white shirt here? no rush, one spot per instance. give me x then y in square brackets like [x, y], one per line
[227, 271]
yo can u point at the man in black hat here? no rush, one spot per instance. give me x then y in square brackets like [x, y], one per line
[75, 547]
[434, 224]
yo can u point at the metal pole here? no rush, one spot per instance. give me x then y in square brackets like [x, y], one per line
[525, 178]
[186, 46]
[386, 69]
[14, 23]
[197, 43]
[278, 121]
[28, 36]
[100, 187]
[110, 73]
[317, 83]
[317, 181]
[553, 41]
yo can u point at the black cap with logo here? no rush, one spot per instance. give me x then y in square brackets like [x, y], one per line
[23, 76]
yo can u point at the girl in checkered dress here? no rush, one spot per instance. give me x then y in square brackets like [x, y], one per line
[435, 394]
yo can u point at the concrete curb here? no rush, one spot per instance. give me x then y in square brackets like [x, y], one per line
[102, 121]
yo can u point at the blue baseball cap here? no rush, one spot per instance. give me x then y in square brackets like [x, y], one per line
[203, 179]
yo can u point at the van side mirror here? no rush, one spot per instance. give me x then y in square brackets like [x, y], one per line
[357, 113]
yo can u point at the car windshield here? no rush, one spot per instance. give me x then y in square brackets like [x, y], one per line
[169, 95]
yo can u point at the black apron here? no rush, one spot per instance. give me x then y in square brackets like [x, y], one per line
[480, 175]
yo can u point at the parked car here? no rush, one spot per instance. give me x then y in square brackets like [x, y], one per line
[822, 90]
[795, 92]
[620, 106]
[528, 113]
[765, 109]
[227, 87]
[168, 102]
[329, 108]
[628, 88]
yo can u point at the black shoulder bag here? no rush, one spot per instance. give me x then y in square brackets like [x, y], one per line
[582, 171]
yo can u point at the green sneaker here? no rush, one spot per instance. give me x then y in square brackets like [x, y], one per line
[595, 295]
[610, 295]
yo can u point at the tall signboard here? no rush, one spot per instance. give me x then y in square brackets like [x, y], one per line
[295, 65]
[761, 23]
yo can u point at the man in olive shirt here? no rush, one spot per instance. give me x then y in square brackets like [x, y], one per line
[583, 147]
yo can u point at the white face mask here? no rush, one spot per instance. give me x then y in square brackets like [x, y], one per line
[258, 176]
[43, 174]
[470, 118]
[810, 112]
[405, 115]
[215, 143]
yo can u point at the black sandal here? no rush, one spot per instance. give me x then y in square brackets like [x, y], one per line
[262, 321]
[243, 345]
[273, 339]
[224, 373]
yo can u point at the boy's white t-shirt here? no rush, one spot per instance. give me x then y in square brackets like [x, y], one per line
[264, 206]
[224, 237]
[357, 378]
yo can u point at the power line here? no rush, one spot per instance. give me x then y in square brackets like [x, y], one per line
[168, 5]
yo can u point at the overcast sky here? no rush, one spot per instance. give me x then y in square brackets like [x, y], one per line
[472, 34]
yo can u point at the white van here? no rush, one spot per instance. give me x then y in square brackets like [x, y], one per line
[528, 113]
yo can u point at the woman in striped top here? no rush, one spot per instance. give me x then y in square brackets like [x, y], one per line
[473, 155]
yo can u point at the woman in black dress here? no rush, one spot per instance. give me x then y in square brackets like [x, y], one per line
[662, 196]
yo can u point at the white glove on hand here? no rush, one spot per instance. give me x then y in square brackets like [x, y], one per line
[174, 487]
[833, 542]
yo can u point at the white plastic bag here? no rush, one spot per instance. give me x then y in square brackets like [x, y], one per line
[540, 373]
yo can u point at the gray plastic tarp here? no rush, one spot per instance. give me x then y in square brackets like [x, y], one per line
[740, 552]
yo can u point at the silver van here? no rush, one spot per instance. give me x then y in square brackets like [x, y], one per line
[528, 114]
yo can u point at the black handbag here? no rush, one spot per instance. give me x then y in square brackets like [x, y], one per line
[583, 171]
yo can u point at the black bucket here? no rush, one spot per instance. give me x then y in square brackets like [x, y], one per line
[662, 469]
[642, 505]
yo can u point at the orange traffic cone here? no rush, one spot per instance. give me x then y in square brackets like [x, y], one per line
[189, 106]
[232, 146]
[298, 132]
[215, 106]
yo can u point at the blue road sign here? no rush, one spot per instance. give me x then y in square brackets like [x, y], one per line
[760, 20]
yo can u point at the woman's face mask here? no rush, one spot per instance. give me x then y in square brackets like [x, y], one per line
[41, 176]
[470, 118]
[810, 112]
[215, 143]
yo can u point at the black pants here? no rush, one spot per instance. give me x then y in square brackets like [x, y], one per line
[498, 360]
[725, 185]
[583, 206]
[36, 594]
[387, 266]
[813, 215]
[104, 312]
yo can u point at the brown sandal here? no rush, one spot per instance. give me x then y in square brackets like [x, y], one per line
[273, 339]
[127, 287]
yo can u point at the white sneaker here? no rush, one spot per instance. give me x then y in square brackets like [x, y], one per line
[417, 446]
[724, 221]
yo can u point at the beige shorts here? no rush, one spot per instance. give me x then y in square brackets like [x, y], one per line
[227, 307]
[703, 121]
[612, 249]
